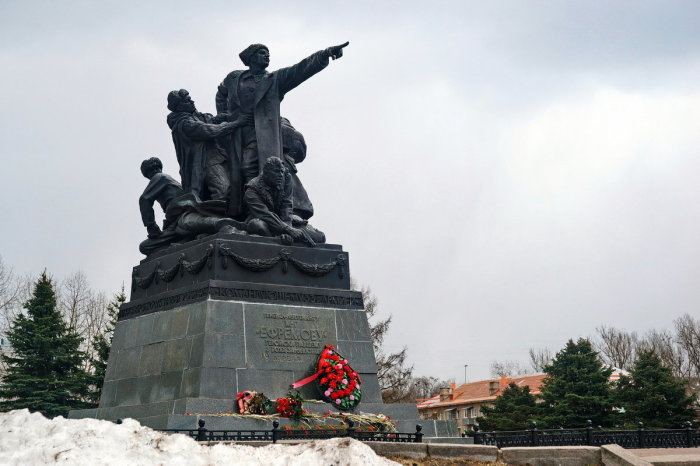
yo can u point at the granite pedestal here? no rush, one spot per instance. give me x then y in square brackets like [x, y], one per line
[229, 313]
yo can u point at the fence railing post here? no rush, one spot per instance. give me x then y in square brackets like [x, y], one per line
[640, 435]
[201, 431]
[533, 434]
[589, 432]
[275, 432]
[477, 434]
[351, 428]
[419, 434]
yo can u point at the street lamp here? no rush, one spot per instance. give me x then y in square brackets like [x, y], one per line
[465, 373]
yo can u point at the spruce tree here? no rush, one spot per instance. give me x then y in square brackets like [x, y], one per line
[653, 396]
[512, 410]
[102, 342]
[576, 388]
[45, 372]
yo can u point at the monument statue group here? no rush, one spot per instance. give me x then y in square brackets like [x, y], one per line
[238, 294]
[238, 170]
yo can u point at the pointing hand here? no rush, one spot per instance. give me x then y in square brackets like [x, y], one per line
[336, 51]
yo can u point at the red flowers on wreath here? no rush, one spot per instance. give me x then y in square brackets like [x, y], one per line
[339, 383]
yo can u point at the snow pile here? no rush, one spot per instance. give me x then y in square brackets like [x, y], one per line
[28, 439]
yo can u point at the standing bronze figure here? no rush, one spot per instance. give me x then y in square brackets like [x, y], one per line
[203, 164]
[258, 92]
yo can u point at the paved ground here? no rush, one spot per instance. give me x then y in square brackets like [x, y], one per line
[685, 456]
[666, 451]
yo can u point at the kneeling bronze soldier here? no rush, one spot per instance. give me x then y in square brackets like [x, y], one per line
[268, 198]
[186, 216]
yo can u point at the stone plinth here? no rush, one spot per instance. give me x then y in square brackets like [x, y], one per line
[214, 349]
[229, 313]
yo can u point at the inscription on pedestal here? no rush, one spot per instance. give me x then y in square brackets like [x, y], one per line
[291, 339]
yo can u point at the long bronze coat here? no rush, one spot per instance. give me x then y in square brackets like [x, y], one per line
[268, 96]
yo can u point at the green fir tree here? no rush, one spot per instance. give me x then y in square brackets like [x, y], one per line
[512, 410]
[45, 372]
[576, 389]
[653, 396]
[101, 343]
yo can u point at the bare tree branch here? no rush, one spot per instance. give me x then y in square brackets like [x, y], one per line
[426, 387]
[14, 291]
[662, 342]
[74, 295]
[688, 339]
[507, 368]
[539, 358]
[392, 371]
[617, 348]
[84, 310]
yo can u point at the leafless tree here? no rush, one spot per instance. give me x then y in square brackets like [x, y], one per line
[507, 368]
[688, 339]
[426, 387]
[14, 291]
[679, 350]
[662, 342]
[74, 297]
[539, 358]
[393, 371]
[617, 348]
[394, 377]
[84, 310]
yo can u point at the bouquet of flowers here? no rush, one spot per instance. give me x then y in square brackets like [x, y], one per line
[338, 383]
[290, 406]
[250, 402]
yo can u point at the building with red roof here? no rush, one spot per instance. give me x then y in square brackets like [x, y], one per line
[464, 403]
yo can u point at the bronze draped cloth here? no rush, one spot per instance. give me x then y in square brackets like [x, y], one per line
[266, 112]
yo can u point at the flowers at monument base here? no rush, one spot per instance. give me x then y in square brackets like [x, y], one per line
[254, 403]
[250, 402]
[339, 383]
[290, 406]
[378, 422]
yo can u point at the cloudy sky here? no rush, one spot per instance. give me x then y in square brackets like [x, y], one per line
[504, 174]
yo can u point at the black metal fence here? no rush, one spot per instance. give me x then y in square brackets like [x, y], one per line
[686, 437]
[273, 435]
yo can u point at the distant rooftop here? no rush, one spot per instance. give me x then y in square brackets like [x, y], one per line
[488, 390]
[483, 390]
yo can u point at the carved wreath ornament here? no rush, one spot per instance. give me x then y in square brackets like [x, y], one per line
[254, 265]
[285, 257]
[182, 265]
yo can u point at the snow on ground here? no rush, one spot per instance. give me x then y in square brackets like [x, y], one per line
[28, 439]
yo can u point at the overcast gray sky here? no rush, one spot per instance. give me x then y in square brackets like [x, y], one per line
[504, 174]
